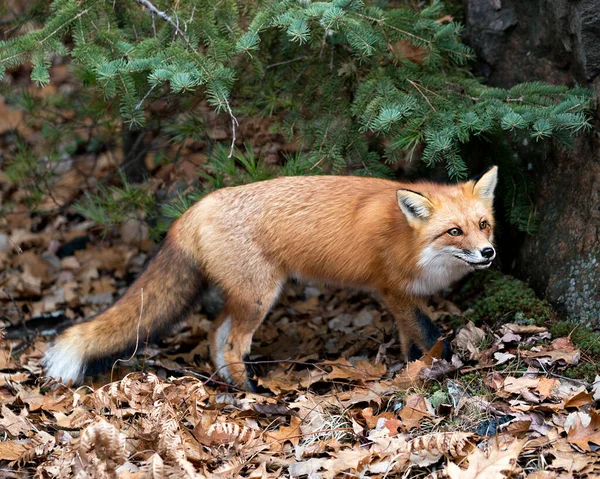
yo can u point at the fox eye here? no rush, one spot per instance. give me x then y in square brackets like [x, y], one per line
[483, 224]
[454, 232]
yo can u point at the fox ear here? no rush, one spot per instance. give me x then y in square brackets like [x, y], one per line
[484, 186]
[414, 205]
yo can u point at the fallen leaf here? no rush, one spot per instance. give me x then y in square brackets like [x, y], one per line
[582, 398]
[417, 407]
[566, 458]
[12, 450]
[583, 429]
[362, 370]
[522, 328]
[546, 386]
[498, 462]
[468, 339]
[15, 425]
[410, 376]
[502, 358]
[403, 49]
[516, 385]
[563, 344]
[291, 433]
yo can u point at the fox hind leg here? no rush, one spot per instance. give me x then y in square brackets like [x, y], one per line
[231, 334]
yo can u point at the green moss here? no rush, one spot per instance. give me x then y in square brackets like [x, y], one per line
[583, 337]
[584, 371]
[493, 297]
[588, 341]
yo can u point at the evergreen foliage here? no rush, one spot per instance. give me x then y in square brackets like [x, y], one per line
[360, 84]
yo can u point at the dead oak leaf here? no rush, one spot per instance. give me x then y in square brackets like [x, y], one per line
[362, 370]
[15, 425]
[546, 386]
[583, 429]
[410, 375]
[498, 462]
[566, 458]
[468, 340]
[12, 450]
[416, 408]
[291, 433]
[582, 398]
[516, 385]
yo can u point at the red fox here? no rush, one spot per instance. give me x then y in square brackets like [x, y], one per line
[402, 241]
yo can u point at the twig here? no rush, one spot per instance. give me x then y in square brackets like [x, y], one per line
[19, 312]
[137, 339]
[285, 62]
[19, 250]
[139, 105]
[164, 16]
[414, 84]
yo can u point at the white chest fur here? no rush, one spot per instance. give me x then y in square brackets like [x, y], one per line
[439, 269]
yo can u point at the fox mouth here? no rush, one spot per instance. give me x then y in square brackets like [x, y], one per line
[476, 265]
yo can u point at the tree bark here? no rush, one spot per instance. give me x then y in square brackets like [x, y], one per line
[556, 41]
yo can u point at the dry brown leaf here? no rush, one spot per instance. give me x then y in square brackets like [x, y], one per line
[15, 425]
[451, 444]
[371, 420]
[582, 398]
[564, 344]
[416, 408]
[469, 339]
[403, 49]
[291, 433]
[6, 378]
[311, 304]
[522, 328]
[410, 376]
[546, 386]
[362, 370]
[516, 385]
[583, 429]
[566, 458]
[497, 463]
[12, 450]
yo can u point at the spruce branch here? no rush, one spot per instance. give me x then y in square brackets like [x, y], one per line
[164, 16]
[48, 36]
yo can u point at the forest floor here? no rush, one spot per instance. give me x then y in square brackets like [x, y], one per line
[514, 401]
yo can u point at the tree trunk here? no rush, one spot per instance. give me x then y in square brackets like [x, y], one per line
[135, 150]
[557, 41]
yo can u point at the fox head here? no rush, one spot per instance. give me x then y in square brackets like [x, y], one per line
[455, 227]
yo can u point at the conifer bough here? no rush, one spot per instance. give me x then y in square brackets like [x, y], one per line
[356, 84]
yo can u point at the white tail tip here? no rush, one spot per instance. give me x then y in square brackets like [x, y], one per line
[64, 363]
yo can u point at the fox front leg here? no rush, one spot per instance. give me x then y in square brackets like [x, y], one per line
[418, 333]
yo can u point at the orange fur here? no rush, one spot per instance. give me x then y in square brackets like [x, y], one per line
[371, 233]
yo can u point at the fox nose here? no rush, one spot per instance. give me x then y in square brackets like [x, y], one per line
[488, 252]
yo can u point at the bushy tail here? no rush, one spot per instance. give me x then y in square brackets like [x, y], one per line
[170, 287]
